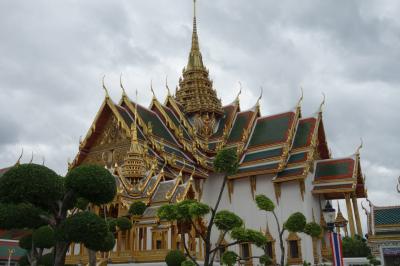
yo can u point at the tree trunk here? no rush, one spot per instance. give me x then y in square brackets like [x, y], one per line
[60, 253]
[282, 248]
[280, 239]
[92, 257]
[34, 262]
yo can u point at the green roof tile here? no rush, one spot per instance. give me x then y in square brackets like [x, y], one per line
[387, 216]
[303, 133]
[158, 127]
[241, 122]
[258, 168]
[270, 130]
[227, 113]
[263, 155]
[334, 169]
[291, 172]
[176, 122]
[297, 158]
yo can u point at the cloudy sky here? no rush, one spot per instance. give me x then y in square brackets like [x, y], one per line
[53, 55]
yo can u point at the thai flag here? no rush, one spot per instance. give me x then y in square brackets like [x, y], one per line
[336, 244]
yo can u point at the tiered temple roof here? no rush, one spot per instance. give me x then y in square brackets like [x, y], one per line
[174, 139]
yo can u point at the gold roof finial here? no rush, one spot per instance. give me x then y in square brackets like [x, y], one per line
[322, 103]
[31, 160]
[398, 184]
[122, 87]
[151, 88]
[104, 87]
[166, 85]
[18, 162]
[261, 94]
[301, 98]
[360, 146]
[240, 91]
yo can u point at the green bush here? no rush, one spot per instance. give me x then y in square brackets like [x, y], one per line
[226, 220]
[23, 261]
[92, 182]
[296, 222]
[175, 258]
[355, 247]
[124, 223]
[137, 208]
[198, 209]
[103, 245]
[313, 229]
[226, 161]
[229, 258]
[31, 183]
[167, 212]
[188, 263]
[47, 260]
[84, 227]
[112, 224]
[43, 237]
[264, 203]
[25, 242]
[248, 235]
[81, 203]
[20, 216]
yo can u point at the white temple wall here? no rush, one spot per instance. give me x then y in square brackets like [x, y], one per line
[242, 204]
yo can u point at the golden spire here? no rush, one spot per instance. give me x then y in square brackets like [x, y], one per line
[340, 221]
[195, 58]
[196, 94]
[134, 164]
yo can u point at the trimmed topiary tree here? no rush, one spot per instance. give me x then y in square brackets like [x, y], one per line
[229, 258]
[40, 200]
[124, 223]
[44, 237]
[295, 223]
[188, 263]
[175, 258]
[137, 208]
[188, 212]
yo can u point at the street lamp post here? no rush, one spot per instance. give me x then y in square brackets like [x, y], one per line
[329, 216]
[10, 253]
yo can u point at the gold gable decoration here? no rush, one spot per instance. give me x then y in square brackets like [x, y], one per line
[134, 167]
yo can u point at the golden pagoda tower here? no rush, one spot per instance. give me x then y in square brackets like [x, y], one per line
[134, 167]
[195, 93]
[341, 222]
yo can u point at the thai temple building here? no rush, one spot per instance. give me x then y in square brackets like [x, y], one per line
[164, 154]
[384, 232]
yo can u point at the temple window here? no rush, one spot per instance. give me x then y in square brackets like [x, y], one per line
[245, 251]
[294, 249]
[159, 239]
[270, 246]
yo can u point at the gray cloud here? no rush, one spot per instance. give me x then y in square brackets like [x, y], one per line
[54, 55]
